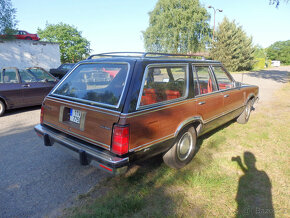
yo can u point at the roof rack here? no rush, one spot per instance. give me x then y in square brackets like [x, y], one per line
[117, 54]
[144, 55]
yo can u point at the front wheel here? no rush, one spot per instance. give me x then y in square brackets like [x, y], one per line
[244, 117]
[183, 150]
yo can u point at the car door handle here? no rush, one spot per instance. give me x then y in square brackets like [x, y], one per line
[201, 103]
[26, 85]
[226, 96]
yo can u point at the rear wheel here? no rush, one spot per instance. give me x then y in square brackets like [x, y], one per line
[244, 117]
[2, 108]
[183, 150]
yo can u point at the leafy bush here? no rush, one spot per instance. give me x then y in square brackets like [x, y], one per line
[259, 63]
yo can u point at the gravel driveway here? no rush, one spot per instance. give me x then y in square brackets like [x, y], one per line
[37, 181]
[268, 81]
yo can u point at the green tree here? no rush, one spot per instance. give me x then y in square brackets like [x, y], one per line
[232, 47]
[177, 27]
[279, 51]
[7, 17]
[277, 2]
[259, 52]
[72, 45]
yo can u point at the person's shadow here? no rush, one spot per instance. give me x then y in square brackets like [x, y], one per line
[254, 196]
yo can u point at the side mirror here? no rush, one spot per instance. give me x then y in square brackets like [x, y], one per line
[237, 84]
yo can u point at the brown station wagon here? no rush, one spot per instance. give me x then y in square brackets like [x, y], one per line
[119, 108]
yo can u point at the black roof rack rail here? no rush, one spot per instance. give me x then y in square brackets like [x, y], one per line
[117, 54]
[144, 55]
[171, 55]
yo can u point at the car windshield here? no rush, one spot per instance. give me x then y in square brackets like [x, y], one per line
[100, 83]
[66, 66]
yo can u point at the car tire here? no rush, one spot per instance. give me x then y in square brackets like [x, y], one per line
[245, 115]
[183, 149]
[2, 108]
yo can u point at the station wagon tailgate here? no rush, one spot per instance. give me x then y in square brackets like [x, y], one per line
[88, 123]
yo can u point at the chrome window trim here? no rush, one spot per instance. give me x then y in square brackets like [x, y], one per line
[88, 101]
[211, 74]
[210, 65]
[156, 108]
[193, 77]
[92, 107]
[172, 104]
[162, 103]
[227, 73]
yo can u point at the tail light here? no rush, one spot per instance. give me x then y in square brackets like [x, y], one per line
[41, 115]
[120, 140]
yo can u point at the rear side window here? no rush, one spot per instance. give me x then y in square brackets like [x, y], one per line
[205, 81]
[9, 76]
[223, 80]
[100, 83]
[163, 83]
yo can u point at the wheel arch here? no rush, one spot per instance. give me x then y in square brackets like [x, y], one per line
[196, 122]
[4, 101]
[250, 96]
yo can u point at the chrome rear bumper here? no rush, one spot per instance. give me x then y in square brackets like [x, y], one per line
[105, 160]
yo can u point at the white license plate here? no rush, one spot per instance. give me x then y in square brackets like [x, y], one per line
[75, 116]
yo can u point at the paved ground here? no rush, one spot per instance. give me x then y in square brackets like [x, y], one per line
[37, 181]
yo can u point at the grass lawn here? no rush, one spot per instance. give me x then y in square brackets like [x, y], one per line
[240, 170]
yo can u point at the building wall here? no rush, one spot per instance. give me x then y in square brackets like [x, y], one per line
[27, 53]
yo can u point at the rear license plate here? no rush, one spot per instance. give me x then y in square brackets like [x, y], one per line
[75, 116]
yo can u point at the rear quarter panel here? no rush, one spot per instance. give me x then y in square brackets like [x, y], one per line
[148, 127]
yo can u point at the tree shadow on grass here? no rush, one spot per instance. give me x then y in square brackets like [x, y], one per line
[254, 195]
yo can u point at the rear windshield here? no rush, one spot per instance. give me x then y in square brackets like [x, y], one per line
[101, 83]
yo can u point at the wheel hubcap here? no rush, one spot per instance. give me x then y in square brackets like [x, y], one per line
[248, 110]
[184, 146]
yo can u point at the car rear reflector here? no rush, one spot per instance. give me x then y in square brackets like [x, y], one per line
[120, 142]
[107, 168]
[41, 115]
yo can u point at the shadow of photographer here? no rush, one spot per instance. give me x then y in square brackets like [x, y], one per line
[254, 195]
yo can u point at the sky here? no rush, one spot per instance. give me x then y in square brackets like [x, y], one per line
[117, 25]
